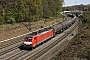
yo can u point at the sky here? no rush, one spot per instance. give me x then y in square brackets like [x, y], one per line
[75, 2]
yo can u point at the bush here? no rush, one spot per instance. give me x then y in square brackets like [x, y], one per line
[11, 20]
[87, 17]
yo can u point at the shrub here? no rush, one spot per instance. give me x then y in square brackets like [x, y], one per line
[87, 17]
[10, 20]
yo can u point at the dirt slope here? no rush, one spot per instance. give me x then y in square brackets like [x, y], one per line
[8, 31]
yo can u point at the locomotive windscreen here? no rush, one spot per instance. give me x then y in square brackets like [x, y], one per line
[28, 38]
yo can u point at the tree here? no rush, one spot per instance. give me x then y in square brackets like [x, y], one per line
[29, 10]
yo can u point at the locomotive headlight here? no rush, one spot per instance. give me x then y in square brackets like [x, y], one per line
[28, 43]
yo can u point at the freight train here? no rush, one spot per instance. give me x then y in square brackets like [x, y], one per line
[35, 38]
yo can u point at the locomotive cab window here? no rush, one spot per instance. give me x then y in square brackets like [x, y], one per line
[28, 38]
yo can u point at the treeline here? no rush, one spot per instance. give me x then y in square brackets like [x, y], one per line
[85, 17]
[13, 11]
[77, 7]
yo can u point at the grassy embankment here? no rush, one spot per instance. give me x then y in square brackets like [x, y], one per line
[79, 47]
[11, 30]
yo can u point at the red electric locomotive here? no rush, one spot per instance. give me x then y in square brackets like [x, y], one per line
[32, 40]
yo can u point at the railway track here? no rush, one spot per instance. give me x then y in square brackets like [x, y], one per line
[10, 46]
[11, 42]
[14, 53]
